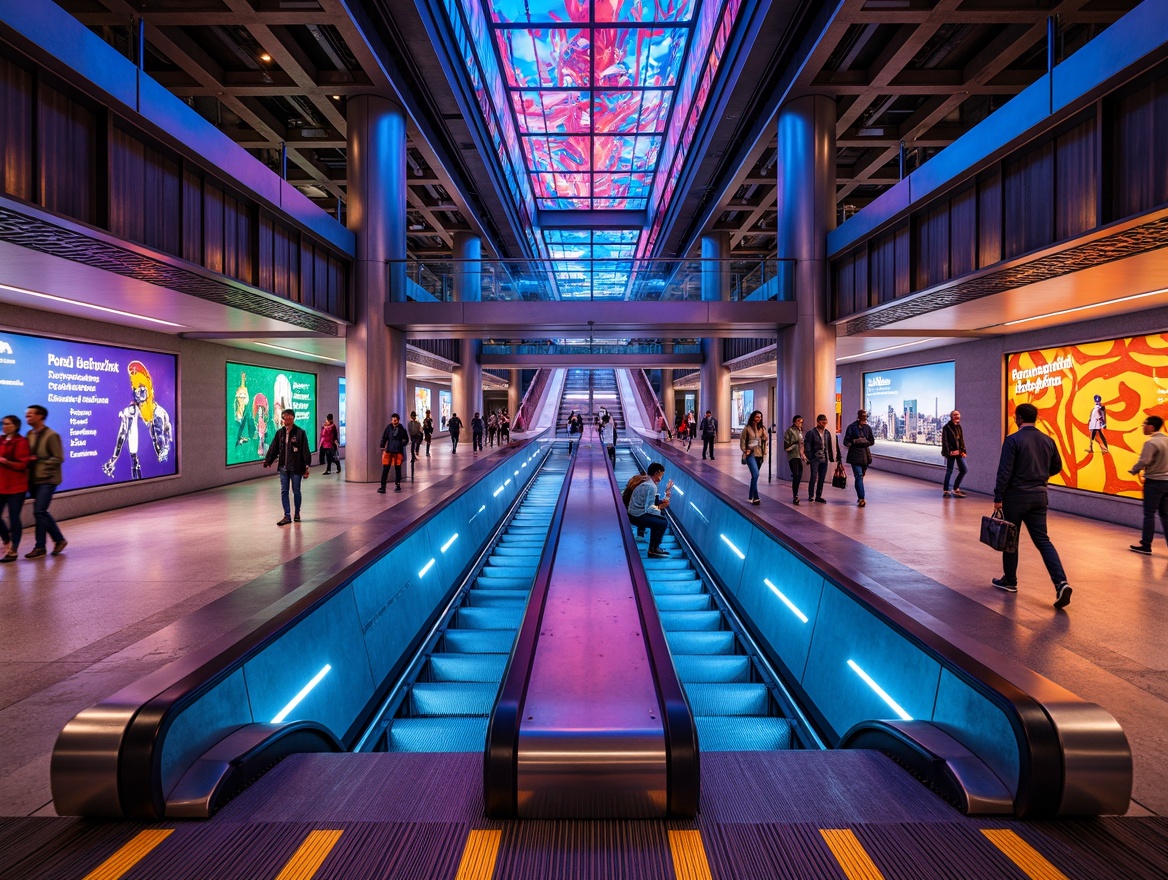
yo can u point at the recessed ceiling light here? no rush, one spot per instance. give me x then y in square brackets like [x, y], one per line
[299, 353]
[85, 305]
[265, 57]
[888, 348]
[1098, 305]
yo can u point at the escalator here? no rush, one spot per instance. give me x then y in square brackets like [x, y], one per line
[445, 701]
[737, 703]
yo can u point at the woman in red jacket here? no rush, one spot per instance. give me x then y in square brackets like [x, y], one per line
[14, 456]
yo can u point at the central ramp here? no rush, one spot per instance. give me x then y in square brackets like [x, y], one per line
[591, 738]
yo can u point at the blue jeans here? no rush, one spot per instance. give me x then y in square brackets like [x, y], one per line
[1031, 510]
[858, 471]
[952, 460]
[11, 532]
[42, 496]
[294, 479]
[816, 474]
[1155, 501]
[752, 464]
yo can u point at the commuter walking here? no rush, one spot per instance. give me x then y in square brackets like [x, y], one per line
[753, 442]
[709, 431]
[953, 451]
[817, 445]
[1029, 459]
[608, 435]
[428, 430]
[44, 476]
[662, 429]
[14, 462]
[476, 434]
[793, 446]
[575, 428]
[414, 429]
[647, 509]
[493, 427]
[330, 441]
[454, 426]
[859, 440]
[691, 423]
[1096, 425]
[394, 440]
[504, 428]
[1154, 463]
[289, 452]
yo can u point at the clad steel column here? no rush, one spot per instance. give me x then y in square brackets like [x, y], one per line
[668, 396]
[467, 382]
[375, 355]
[715, 390]
[513, 396]
[805, 383]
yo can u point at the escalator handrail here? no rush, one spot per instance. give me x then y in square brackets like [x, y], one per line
[501, 752]
[681, 738]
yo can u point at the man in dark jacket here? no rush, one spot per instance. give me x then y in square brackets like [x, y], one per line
[859, 440]
[818, 447]
[394, 440]
[953, 451]
[1029, 459]
[476, 433]
[709, 429]
[289, 451]
[454, 426]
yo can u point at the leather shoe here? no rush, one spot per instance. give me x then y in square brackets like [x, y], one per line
[284, 521]
[1140, 548]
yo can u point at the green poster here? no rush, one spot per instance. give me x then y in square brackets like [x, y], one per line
[255, 397]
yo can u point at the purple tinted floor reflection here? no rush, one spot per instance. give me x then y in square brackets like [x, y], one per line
[77, 627]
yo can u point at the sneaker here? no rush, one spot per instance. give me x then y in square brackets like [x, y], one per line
[946, 494]
[795, 500]
[381, 491]
[284, 521]
[658, 554]
[957, 493]
[59, 546]
[1003, 584]
[640, 534]
[861, 503]
[10, 556]
[35, 553]
[1140, 548]
[296, 516]
[821, 501]
[756, 501]
[326, 473]
[1062, 595]
[397, 488]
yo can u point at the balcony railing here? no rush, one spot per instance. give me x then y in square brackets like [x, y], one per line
[583, 280]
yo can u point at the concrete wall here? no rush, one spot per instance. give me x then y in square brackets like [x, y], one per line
[980, 396]
[201, 426]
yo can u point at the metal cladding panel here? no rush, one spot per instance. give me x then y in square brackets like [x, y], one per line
[215, 714]
[788, 634]
[729, 531]
[961, 712]
[331, 636]
[845, 631]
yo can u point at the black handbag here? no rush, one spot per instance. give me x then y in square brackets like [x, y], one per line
[999, 534]
[839, 479]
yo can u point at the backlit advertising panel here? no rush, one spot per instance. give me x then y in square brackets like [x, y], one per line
[255, 397]
[115, 408]
[742, 408]
[907, 408]
[1092, 399]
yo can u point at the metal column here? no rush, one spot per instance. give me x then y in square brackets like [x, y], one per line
[715, 379]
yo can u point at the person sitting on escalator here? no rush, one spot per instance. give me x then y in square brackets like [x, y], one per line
[647, 509]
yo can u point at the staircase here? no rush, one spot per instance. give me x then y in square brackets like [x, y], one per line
[732, 705]
[450, 702]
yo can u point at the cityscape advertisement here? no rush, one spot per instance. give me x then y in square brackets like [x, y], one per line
[907, 408]
[743, 407]
[445, 402]
[1092, 399]
[341, 411]
[115, 408]
[255, 398]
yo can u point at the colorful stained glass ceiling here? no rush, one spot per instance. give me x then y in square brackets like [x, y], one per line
[593, 104]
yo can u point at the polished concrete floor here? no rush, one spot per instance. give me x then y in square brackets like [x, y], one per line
[76, 628]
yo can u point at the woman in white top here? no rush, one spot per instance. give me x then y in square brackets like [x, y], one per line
[753, 443]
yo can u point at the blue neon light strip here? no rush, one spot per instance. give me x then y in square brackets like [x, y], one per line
[802, 617]
[450, 541]
[296, 700]
[730, 544]
[677, 489]
[425, 568]
[880, 692]
[497, 491]
[477, 512]
[698, 509]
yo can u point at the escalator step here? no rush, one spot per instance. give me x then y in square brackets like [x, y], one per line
[712, 667]
[673, 563]
[510, 551]
[673, 574]
[478, 641]
[486, 582]
[489, 618]
[721, 642]
[720, 734]
[684, 602]
[438, 735]
[452, 698]
[728, 699]
[517, 566]
[676, 587]
[691, 620]
[466, 667]
[495, 598]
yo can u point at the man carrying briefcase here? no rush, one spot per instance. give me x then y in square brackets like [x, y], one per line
[1029, 458]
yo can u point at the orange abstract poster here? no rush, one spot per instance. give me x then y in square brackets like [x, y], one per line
[1092, 399]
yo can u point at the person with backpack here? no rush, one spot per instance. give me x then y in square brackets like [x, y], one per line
[454, 426]
[796, 458]
[647, 509]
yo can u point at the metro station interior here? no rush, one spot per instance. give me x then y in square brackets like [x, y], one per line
[216, 211]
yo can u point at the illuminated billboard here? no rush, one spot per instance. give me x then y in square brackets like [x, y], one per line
[255, 397]
[742, 408]
[907, 408]
[115, 408]
[1092, 399]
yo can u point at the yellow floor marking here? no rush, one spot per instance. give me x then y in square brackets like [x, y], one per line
[307, 859]
[850, 853]
[1022, 854]
[129, 855]
[689, 855]
[479, 854]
